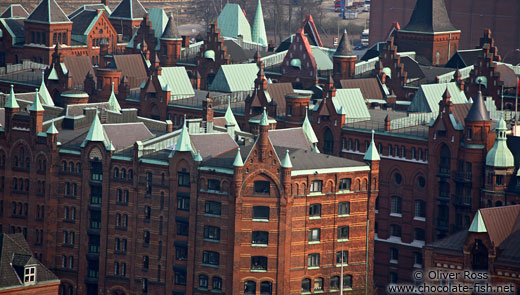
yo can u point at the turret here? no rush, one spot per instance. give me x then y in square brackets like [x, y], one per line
[500, 163]
[11, 108]
[207, 112]
[478, 122]
[171, 43]
[112, 101]
[344, 60]
[263, 138]
[258, 34]
[286, 172]
[238, 165]
[52, 135]
[36, 113]
[296, 106]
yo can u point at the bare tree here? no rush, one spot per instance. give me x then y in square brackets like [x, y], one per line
[208, 10]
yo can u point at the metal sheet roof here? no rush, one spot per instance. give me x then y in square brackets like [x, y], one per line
[232, 22]
[352, 103]
[231, 78]
[178, 81]
[323, 61]
[427, 99]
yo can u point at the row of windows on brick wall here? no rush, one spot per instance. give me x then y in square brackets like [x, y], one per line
[69, 238]
[319, 284]
[20, 209]
[216, 282]
[67, 262]
[315, 234]
[71, 189]
[18, 229]
[71, 167]
[315, 209]
[120, 269]
[123, 175]
[20, 185]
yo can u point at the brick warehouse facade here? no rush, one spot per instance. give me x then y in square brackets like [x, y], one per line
[469, 16]
[114, 219]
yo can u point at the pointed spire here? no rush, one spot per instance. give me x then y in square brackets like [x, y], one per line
[344, 47]
[44, 93]
[258, 34]
[478, 225]
[198, 157]
[286, 163]
[230, 118]
[52, 129]
[111, 147]
[112, 101]
[170, 31]
[238, 160]
[446, 95]
[478, 111]
[371, 153]
[36, 105]
[184, 141]
[264, 121]
[307, 128]
[11, 101]
[96, 133]
[430, 16]
[315, 149]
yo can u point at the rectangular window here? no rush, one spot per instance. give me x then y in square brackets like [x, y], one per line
[313, 260]
[262, 187]
[260, 238]
[180, 277]
[182, 228]
[344, 208]
[258, 263]
[395, 230]
[316, 186]
[396, 205]
[500, 180]
[29, 275]
[420, 210]
[213, 208]
[260, 213]
[183, 201]
[212, 233]
[213, 185]
[181, 253]
[345, 183]
[342, 256]
[210, 258]
[343, 233]
[418, 258]
[184, 178]
[469, 170]
[467, 196]
[394, 255]
[314, 235]
[315, 210]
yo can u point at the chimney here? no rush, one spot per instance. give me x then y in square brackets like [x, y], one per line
[387, 123]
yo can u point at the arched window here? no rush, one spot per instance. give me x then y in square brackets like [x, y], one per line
[116, 172]
[123, 173]
[328, 145]
[306, 285]
[63, 166]
[216, 283]
[347, 282]
[318, 284]
[250, 288]
[334, 283]
[266, 288]
[71, 167]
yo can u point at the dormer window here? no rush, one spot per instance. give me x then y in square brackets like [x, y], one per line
[29, 275]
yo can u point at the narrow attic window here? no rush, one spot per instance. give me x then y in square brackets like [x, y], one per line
[29, 275]
[262, 187]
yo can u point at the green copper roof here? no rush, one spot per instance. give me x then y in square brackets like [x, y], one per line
[234, 78]
[184, 141]
[427, 99]
[238, 160]
[258, 34]
[176, 80]
[371, 153]
[264, 121]
[11, 101]
[478, 225]
[233, 22]
[209, 54]
[296, 62]
[316, 150]
[286, 163]
[36, 105]
[308, 130]
[198, 157]
[44, 93]
[500, 155]
[111, 147]
[52, 129]
[350, 102]
[230, 118]
[112, 101]
[53, 75]
[96, 133]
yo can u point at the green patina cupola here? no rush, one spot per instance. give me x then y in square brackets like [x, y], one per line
[499, 155]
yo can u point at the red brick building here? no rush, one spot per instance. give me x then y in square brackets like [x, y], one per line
[22, 273]
[129, 206]
[469, 16]
[490, 245]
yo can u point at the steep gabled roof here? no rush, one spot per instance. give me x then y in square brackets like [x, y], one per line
[232, 22]
[83, 22]
[93, 7]
[430, 16]
[129, 9]
[14, 10]
[48, 12]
